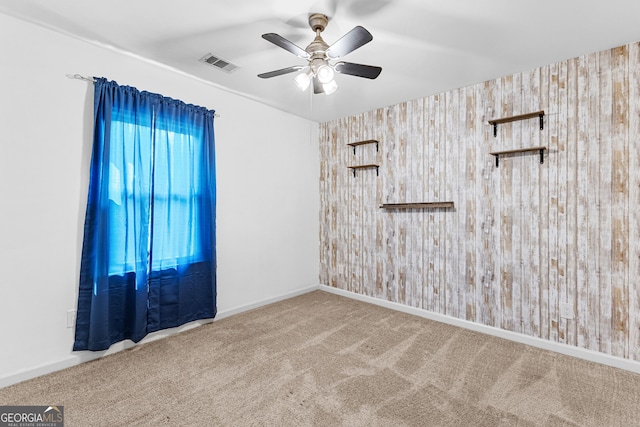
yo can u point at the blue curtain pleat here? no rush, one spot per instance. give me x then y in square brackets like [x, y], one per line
[148, 256]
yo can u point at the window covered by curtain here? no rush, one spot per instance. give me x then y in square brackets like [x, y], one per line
[148, 256]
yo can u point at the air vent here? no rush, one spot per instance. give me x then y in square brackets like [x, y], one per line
[216, 61]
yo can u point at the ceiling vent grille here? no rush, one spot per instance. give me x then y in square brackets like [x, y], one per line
[216, 61]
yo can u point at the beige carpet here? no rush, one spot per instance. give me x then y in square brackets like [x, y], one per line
[326, 360]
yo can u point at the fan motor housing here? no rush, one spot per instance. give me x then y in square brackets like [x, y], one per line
[317, 48]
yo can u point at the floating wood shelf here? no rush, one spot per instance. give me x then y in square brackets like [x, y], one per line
[496, 122]
[420, 205]
[363, 167]
[520, 150]
[368, 141]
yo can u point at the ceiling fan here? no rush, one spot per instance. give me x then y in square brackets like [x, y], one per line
[320, 70]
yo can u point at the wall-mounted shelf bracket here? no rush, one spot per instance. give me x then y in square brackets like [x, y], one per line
[520, 150]
[354, 168]
[496, 122]
[368, 141]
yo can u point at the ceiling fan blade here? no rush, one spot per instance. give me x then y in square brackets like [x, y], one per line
[349, 42]
[286, 45]
[281, 71]
[317, 86]
[358, 70]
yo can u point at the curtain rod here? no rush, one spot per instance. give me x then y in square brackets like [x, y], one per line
[79, 77]
[92, 80]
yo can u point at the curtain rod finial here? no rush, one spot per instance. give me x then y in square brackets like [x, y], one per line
[79, 77]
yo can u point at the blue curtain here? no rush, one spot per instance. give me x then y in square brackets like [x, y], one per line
[148, 256]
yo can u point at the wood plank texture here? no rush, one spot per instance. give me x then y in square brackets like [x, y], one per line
[522, 239]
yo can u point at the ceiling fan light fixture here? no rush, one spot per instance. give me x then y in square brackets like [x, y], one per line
[302, 80]
[330, 87]
[325, 73]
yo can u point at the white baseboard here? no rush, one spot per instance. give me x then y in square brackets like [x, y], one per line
[231, 311]
[581, 353]
[86, 356]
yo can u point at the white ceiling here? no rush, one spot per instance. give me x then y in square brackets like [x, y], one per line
[423, 46]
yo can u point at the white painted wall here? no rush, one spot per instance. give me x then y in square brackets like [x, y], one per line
[267, 172]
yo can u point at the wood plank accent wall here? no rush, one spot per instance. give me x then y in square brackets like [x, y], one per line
[523, 238]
